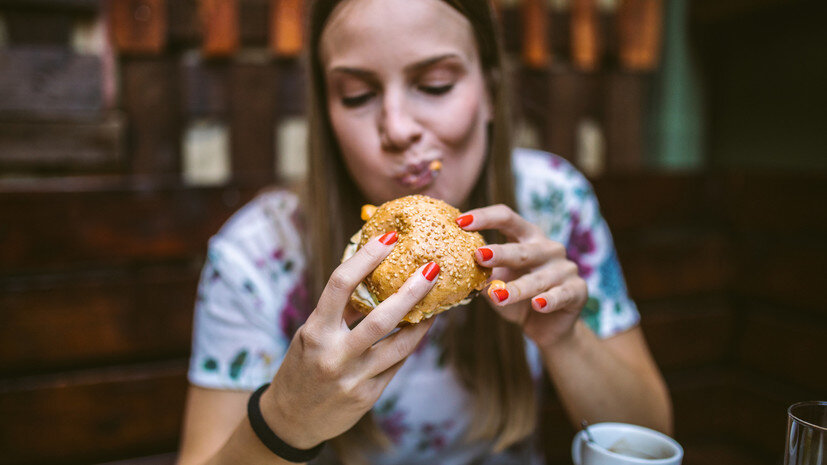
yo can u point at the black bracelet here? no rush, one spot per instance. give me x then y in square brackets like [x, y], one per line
[269, 438]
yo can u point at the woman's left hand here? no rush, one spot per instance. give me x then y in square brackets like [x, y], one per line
[543, 292]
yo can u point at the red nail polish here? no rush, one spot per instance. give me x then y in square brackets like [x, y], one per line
[486, 253]
[430, 271]
[541, 302]
[501, 294]
[389, 238]
[465, 220]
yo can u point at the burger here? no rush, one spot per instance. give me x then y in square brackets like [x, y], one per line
[427, 231]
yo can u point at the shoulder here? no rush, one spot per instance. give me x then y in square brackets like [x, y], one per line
[532, 166]
[548, 189]
[259, 249]
[268, 211]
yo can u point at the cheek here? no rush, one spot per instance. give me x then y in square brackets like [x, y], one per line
[461, 125]
[353, 137]
[356, 141]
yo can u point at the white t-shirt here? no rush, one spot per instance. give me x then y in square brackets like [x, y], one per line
[252, 297]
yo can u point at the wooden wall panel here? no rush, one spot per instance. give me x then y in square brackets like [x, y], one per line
[640, 27]
[556, 433]
[255, 22]
[92, 416]
[721, 452]
[536, 52]
[160, 459]
[130, 314]
[71, 145]
[778, 203]
[632, 203]
[572, 97]
[29, 26]
[220, 24]
[205, 88]
[59, 230]
[151, 98]
[49, 82]
[759, 414]
[786, 347]
[787, 270]
[138, 26]
[671, 264]
[531, 89]
[625, 101]
[62, 6]
[286, 27]
[699, 397]
[253, 121]
[691, 332]
[185, 30]
[586, 35]
[291, 89]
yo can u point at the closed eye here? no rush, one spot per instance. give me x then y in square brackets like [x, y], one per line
[357, 100]
[437, 90]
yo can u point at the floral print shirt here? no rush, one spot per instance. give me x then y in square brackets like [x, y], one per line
[252, 297]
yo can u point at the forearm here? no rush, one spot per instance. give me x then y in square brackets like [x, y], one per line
[244, 447]
[595, 384]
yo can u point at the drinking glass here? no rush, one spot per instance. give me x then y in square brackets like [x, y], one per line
[806, 434]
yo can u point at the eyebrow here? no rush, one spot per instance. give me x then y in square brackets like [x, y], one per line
[408, 69]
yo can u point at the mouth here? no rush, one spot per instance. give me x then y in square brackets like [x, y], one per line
[419, 175]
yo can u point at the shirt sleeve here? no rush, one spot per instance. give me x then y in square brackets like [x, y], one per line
[251, 298]
[609, 310]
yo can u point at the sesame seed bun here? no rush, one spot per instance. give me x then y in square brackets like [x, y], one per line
[427, 231]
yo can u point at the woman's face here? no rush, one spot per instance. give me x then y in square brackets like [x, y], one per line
[404, 88]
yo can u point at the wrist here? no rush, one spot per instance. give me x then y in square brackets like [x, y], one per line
[285, 425]
[565, 341]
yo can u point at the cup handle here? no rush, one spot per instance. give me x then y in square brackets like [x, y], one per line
[575, 448]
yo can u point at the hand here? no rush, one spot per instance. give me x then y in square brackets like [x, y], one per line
[332, 375]
[543, 292]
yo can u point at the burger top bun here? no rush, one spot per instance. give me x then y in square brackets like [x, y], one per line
[427, 232]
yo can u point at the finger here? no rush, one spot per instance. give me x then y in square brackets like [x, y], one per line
[381, 381]
[395, 348]
[501, 218]
[352, 316]
[571, 294]
[348, 275]
[387, 315]
[531, 284]
[519, 255]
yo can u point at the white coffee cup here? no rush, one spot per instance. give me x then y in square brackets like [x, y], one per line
[618, 443]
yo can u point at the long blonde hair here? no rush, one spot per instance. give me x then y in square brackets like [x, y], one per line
[487, 352]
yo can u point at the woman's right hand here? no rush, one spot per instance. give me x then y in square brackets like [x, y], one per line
[332, 375]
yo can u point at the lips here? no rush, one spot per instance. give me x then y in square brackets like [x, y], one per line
[417, 176]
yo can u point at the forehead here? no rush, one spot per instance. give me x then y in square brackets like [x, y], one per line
[388, 32]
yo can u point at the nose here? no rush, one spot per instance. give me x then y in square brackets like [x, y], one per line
[398, 129]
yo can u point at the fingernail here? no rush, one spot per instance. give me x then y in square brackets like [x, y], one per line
[465, 220]
[430, 271]
[486, 253]
[501, 295]
[496, 284]
[389, 238]
[540, 302]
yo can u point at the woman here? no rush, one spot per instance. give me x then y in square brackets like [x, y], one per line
[397, 84]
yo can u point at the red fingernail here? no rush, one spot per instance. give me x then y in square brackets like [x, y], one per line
[486, 253]
[541, 302]
[465, 220]
[501, 294]
[430, 271]
[389, 238]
